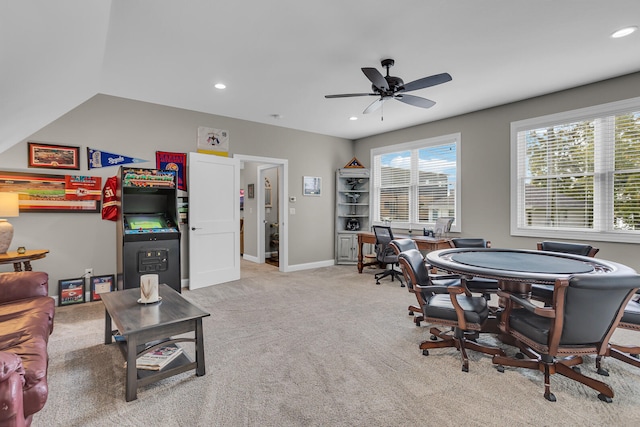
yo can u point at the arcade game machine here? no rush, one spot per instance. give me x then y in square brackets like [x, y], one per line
[147, 227]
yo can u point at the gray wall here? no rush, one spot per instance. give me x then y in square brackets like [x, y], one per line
[485, 152]
[78, 240]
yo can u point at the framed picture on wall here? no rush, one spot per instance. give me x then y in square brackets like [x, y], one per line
[311, 186]
[100, 285]
[250, 191]
[53, 156]
[71, 291]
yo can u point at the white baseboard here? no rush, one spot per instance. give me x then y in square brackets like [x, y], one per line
[311, 265]
[250, 258]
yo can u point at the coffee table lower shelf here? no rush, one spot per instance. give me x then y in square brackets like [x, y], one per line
[181, 363]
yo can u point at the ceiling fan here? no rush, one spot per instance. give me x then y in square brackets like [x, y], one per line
[387, 87]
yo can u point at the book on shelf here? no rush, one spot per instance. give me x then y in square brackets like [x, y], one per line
[157, 359]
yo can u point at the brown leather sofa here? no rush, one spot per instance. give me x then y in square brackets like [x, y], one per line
[26, 321]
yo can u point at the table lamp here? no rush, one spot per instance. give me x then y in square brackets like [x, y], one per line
[9, 207]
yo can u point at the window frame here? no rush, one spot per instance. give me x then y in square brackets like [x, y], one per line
[374, 206]
[603, 195]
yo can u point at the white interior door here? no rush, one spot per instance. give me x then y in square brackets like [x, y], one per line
[214, 220]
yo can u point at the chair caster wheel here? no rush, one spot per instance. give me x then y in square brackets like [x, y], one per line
[500, 368]
[402, 285]
[637, 356]
[605, 398]
[425, 352]
[576, 369]
[433, 338]
[465, 369]
[603, 372]
[550, 397]
[519, 355]
[411, 313]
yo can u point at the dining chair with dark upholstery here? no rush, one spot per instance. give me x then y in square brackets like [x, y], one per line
[385, 254]
[545, 292]
[625, 353]
[401, 245]
[447, 304]
[486, 287]
[585, 311]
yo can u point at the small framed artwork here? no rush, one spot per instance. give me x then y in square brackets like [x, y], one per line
[251, 188]
[100, 285]
[53, 156]
[71, 291]
[311, 186]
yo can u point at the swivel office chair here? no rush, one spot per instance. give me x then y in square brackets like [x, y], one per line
[385, 254]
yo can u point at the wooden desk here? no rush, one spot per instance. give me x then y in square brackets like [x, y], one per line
[25, 258]
[424, 244]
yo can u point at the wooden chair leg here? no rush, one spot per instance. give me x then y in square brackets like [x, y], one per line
[605, 392]
[624, 357]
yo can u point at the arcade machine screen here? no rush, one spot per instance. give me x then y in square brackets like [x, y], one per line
[156, 223]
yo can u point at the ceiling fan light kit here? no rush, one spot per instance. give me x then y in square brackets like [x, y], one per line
[391, 87]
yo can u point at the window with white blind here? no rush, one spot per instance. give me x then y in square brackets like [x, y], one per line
[577, 174]
[416, 183]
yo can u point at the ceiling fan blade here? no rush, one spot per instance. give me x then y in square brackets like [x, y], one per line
[373, 106]
[416, 101]
[424, 82]
[348, 95]
[376, 78]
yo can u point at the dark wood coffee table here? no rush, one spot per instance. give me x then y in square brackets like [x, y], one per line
[144, 327]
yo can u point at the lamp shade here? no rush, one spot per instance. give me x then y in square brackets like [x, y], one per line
[9, 205]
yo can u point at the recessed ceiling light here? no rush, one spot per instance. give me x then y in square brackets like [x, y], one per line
[353, 118]
[277, 116]
[220, 86]
[623, 32]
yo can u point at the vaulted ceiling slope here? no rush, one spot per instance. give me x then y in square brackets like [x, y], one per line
[280, 57]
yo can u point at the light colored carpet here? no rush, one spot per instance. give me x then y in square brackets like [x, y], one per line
[324, 347]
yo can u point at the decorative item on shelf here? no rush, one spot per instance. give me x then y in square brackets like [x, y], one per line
[354, 163]
[353, 198]
[9, 207]
[22, 250]
[353, 224]
[354, 182]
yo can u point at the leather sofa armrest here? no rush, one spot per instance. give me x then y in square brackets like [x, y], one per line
[24, 284]
[11, 395]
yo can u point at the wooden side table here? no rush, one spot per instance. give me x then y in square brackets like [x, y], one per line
[13, 257]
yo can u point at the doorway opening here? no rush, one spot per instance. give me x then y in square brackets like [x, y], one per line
[265, 225]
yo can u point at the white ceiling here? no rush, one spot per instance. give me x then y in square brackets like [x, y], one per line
[283, 56]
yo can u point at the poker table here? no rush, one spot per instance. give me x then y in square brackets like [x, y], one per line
[516, 269]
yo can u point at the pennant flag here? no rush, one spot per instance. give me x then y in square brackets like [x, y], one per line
[102, 159]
